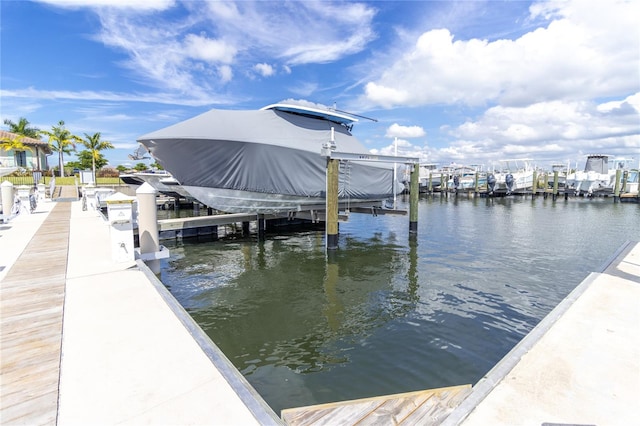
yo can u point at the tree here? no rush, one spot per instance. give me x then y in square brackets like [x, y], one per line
[86, 160]
[140, 167]
[61, 141]
[94, 146]
[121, 168]
[22, 128]
[13, 143]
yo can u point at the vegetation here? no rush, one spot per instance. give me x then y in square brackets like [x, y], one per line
[15, 143]
[94, 145]
[22, 128]
[61, 141]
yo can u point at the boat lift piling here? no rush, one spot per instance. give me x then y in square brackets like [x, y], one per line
[616, 188]
[332, 175]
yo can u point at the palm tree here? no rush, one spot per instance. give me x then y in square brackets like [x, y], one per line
[13, 143]
[22, 128]
[61, 141]
[94, 145]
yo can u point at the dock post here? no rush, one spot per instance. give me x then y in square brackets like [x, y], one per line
[430, 182]
[261, 227]
[148, 225]
[475, 184]
[534, 184]
[625, 178]
[331, 226]
[616, 186]
[245, 229]
[444, 183]
[555, 185]
[413, 200]
[7, 199]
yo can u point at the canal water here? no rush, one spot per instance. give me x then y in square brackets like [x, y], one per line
[389, 313]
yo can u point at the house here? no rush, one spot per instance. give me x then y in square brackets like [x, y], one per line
[36, 159]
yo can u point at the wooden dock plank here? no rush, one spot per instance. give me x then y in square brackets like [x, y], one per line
[31, 313]
[426, 407]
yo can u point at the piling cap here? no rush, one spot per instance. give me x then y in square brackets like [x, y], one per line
[119, 198]
[146, 188]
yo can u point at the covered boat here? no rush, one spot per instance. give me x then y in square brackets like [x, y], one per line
[267, 160]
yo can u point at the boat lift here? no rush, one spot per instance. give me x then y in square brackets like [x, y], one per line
[333, 161]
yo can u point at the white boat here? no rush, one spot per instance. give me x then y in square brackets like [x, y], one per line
[268, 160]
[597, 176]
[429, 172]
[514, 175]
[464, 177]
[161, 181]
[7, 170]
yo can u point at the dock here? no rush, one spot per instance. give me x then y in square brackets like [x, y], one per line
[87, 340]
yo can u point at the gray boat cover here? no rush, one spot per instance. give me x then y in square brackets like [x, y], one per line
[265, 151]
[597, 163]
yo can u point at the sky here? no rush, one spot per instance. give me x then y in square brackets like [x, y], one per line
[466, 82]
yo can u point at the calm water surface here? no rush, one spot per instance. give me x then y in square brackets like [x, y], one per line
[389, 313]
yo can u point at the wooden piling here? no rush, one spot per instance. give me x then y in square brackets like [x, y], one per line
[413, 201]
[534, 184]
[331, 227]
[476, 185]
[430, 187]
[555, 185]
[616, 186]
[261, 227]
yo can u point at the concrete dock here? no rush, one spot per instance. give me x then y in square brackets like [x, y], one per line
[87, 340]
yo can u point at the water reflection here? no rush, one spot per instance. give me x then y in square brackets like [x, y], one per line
[389, 313]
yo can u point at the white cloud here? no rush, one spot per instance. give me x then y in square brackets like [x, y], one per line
[590, 49]
[296, 32]
[396, 130]
[209, 50]
[145, 5]
[264, 70]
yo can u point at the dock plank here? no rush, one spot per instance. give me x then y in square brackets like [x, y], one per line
[426, 407]
[31, 305]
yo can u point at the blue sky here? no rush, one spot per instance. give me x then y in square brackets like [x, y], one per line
[470, 82]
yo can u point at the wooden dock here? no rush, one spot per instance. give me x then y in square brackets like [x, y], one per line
[31, 301]
[427, 407]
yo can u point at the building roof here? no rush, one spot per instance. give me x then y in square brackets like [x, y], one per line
[40, 144]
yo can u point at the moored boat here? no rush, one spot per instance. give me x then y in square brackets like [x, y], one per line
[267, 160]
[161, 181]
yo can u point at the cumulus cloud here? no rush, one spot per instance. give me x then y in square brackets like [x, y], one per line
[264, 70]
[396, 130]
[209, 50]
[587, 49]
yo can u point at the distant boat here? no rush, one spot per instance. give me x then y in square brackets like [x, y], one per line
[429, 172]
[514, 175]
[268, 160]
[161, 181]
[464, 177]
[597, 176]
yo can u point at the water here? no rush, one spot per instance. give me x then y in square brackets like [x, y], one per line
[389, 313]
